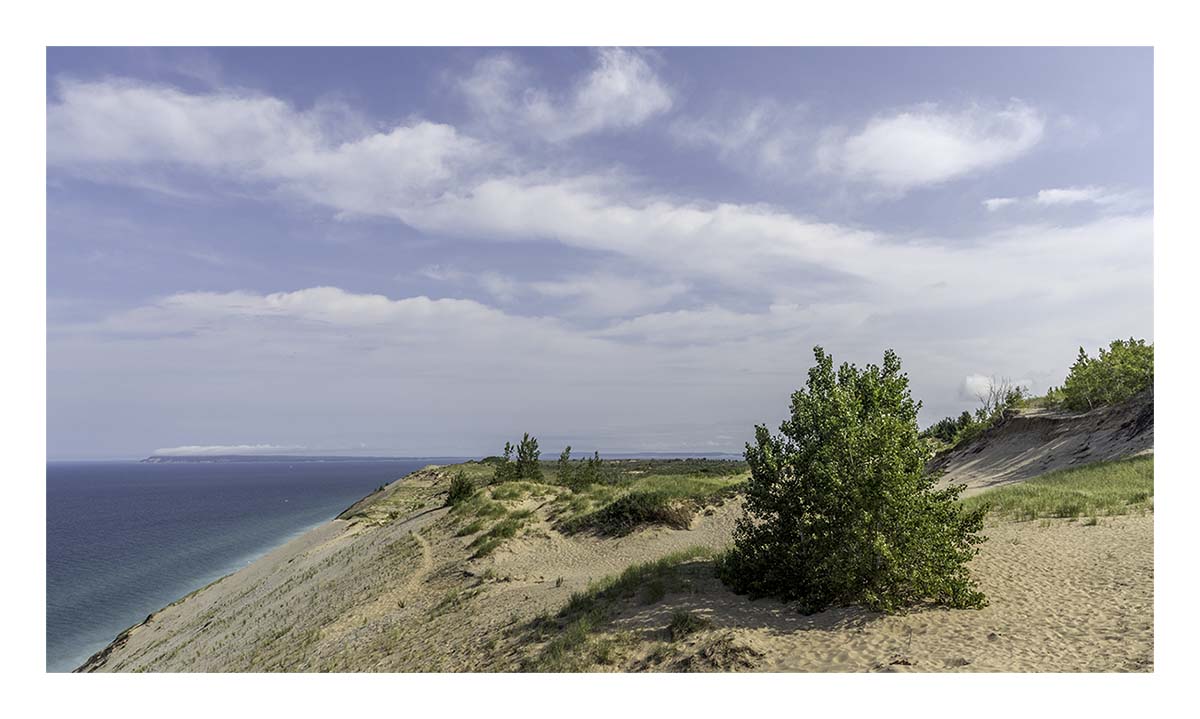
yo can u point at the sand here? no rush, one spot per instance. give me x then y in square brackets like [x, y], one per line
[383, 593]
[1032, 442]
[1063, 597]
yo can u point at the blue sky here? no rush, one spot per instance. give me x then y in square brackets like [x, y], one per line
[429, 251]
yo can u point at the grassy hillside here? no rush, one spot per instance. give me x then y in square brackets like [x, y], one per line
[1106, 488]
[631, 494]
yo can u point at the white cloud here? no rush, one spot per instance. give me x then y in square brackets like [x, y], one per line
[1107, 198]
[930, 145]
[621, 91]
[1076, 195]
[124, 132]
[441, 182]
[996, 203]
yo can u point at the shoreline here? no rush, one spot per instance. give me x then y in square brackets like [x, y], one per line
[78, 661]
[216, 577]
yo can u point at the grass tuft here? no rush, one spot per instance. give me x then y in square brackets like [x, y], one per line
[684, 624]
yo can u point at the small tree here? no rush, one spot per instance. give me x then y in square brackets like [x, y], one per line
[461, 489]
[594, 468]
[528, 466]
[564, 467]
[505, 469]
[839, 508]
[1001, 394]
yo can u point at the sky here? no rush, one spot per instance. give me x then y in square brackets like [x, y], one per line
[428, 251]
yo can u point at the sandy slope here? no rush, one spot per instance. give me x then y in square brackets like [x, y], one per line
[1033, 442]
[381, 591]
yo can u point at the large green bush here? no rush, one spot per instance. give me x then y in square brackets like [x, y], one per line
[1115, 375]
[839, 509]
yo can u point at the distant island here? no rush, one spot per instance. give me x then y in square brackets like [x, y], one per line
[223, 458]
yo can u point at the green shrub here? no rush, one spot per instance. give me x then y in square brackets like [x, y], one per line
[1115, 375]
[839, 508]
[461, 489]
[637, 508]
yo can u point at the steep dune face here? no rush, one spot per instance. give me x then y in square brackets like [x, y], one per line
[392, 585]
[1032, 442]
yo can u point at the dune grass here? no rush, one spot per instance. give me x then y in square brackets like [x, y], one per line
[1103, 489]
[573, 627]
[670, 500]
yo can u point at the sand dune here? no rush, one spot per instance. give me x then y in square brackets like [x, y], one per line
[1035, 441]
[381, 591]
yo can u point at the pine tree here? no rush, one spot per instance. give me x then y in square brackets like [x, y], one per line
[505, 470]
[564, 467]
[528, 466]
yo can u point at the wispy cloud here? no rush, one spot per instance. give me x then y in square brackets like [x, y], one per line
[620, 91]
[931, 144]
[1103, 197]
[761, 136]
[997, 203]
[122, 131]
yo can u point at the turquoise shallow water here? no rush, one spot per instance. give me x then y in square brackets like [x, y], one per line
[124, 539]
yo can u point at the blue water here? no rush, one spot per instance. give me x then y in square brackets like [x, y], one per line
[124, 539]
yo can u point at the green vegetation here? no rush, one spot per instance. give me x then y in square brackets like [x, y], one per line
[1101, 489]
[609, 497]
[1000, 396]
[1113, 376]
[461, 489]
[839, 508]
[527, 466]
[671, 500]
[571, 645]
[684, 624]
[565, 475]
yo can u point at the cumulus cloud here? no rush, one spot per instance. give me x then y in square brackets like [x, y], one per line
[621, 91]
[930, 144]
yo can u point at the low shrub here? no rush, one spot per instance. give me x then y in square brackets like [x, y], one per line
[637, 508]
[461, 489]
